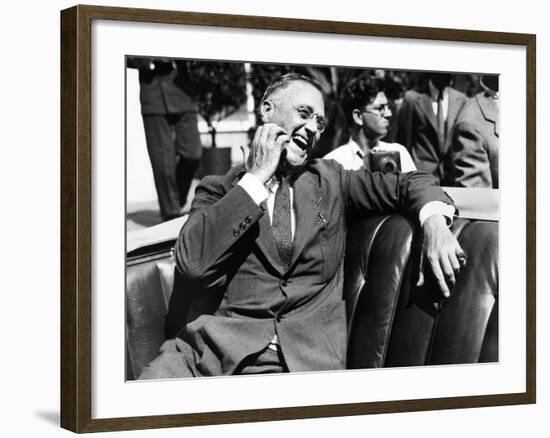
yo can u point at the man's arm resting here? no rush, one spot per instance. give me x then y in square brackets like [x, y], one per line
[371, 193]
[418, 195]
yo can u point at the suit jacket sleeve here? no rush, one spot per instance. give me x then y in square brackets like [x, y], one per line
[470, 164]
[374, 193]
[218, 226]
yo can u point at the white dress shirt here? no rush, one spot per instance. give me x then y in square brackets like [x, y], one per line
[350, 155]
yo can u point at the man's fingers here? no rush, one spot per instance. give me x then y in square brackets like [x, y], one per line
[257, 136]
[266, 150]
[448, 270]
[282, 139]
[273, 132]
[264, 137]
[455, 263]
[279, 138]
[420, 281]
[246, 152]
[440, 278]
[462, 257]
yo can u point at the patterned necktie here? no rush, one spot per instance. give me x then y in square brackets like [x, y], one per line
[281, 224]
[440, 120]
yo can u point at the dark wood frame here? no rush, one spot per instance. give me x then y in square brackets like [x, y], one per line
[76, 243]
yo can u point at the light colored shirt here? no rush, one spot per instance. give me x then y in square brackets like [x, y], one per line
[266, 192]
[350, 155]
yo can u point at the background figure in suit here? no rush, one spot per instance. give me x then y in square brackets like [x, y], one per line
[267, 241]
[426, 121]
[171, 131]
[473, 158]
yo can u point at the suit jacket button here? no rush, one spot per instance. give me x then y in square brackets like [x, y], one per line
[242, 226]
[236, 232]
[284, 283]
[248, 219]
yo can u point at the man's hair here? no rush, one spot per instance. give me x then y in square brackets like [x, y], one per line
[359, 93]
[283, 81]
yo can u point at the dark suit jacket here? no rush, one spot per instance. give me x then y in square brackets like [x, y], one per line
[161, 90]
[417, 129]
[474, 151]
[226, 250]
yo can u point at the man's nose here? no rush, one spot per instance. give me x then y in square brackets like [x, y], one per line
[311, 126]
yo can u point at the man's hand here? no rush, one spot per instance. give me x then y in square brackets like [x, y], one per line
[443, 252]
[263, 158]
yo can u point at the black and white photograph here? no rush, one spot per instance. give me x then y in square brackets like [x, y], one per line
[298, 218]
[267, 218]
[275, 219]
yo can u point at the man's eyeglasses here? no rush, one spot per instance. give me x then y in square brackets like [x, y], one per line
[306, 113]
[378, 110]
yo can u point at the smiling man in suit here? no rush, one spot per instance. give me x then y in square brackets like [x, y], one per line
[426, 121]
[267, 239]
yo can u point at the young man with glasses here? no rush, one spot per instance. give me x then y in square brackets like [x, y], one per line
[368, 113]
[261, 255]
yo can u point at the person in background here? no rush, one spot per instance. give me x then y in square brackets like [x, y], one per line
[395, 86]
[267, 241]
[426, 120]
[171, 131]
[368, 112]
[473, 157]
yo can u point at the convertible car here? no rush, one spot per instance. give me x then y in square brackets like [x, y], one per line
[391, 321]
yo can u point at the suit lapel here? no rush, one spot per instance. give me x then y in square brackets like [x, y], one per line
[265, 240]
[307, 198]
[452, 112]
[425, 104]
[489, 109]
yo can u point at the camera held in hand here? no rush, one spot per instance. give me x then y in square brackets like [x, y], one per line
[384, 161]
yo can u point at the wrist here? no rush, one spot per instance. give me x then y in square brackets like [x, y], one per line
[261, 175]
[435, 220]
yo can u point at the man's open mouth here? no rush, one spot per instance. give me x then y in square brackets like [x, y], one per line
[300, 141]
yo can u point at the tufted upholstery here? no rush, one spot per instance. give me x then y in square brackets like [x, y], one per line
[391, 321]
[394, 323]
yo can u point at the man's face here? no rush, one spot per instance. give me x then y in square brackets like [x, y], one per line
[375, 117]
[300, 110]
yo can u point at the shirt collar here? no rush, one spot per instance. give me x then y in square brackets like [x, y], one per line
[434, 91]
[272, 184]
[488, 91]
[355, 149]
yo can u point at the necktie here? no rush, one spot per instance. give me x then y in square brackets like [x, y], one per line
[440, 120]
[281, 224]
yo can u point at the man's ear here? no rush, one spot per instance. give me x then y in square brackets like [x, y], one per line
[266, 110]
[357, 117]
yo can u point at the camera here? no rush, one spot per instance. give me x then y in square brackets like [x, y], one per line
[385, 161]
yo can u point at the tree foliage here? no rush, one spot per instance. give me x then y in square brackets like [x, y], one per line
[218, 89]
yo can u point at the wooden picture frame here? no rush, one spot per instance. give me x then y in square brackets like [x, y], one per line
[76, 217]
